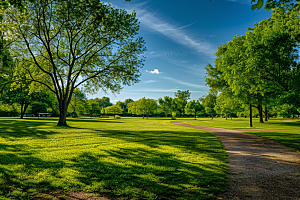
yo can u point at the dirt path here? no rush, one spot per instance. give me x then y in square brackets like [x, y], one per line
[259, 169]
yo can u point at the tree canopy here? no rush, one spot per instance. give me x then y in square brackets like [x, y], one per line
[66, 44]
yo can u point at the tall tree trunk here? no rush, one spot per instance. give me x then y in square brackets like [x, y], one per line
[212, 116]
[250, 109]
[195, 115]
[266, 113]
[260, 113]
[231, 116]
[226, 116]
[63, 107]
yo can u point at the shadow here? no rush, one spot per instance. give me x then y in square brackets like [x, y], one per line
[19, 171]
[143, 164]
[283, 137]
[11, 129]
[137, 173]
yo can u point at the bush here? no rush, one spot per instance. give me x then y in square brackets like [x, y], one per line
[117, 117]
[173, 115]
[74, 114]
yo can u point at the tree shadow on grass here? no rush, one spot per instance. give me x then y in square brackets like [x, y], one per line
[137, 173]
[19, 171]
[285, 138]
[18, 129]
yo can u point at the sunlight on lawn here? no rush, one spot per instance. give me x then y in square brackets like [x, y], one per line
[129, 158]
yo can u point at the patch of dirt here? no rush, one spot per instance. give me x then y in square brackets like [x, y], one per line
[289, 121]
[252, 129]
[260, 169]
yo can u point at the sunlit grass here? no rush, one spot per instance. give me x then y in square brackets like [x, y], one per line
[129, 158]
[289, 136]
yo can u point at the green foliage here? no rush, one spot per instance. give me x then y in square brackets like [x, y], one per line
[95, 47]
[226, 105]
[194, 108]
[142, 107]
[209, 102]
[166, 105]
[180, 100]
[173, 115]
[139, 159]
[38, 107]
[114, 109]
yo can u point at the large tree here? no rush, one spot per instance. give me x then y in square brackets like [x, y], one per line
[75, 43]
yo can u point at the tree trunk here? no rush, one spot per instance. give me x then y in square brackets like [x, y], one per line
[250, 109]
[226, 116]
[63, 107]
[22, 113]
[266, 113]
[260, 113]
[212, 116]
[231, 116]
[195, 115]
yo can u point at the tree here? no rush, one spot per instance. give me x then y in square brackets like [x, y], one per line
[181, 98]
[166, 105]
[114, 109]
[269, 4]
[226, 104]
[77, 97]
[76, 43]
[20, 93]
[193, 107]
[209, 102]
[142, 107]
[104, 102]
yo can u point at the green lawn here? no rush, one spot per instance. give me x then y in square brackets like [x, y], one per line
[130, 158]
[289, 137]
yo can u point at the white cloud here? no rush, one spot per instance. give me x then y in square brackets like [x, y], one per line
[171, 31]
[155, 71]
[152, 52]
[183, 83]
[150, 81]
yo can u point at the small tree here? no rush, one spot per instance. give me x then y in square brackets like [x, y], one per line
[142, 107]
[209, 102]
[165, 105]
[193, 107]
[114, 109]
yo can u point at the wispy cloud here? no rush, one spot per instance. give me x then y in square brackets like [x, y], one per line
[165, 54]
[170, 30]
[150, 81]
[155, 71]
[183, 82]
[242, 1]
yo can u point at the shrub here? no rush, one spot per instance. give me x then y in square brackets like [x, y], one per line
[117, 117]
[173, 115]
[74, 114]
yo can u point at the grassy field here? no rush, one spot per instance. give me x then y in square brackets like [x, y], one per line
[289, 137]
[129, 158]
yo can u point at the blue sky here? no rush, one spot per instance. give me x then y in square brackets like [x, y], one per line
[181, 38]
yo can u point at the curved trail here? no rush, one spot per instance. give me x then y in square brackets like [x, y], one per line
[259, 169]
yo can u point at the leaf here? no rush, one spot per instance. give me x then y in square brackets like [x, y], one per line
[258, 5]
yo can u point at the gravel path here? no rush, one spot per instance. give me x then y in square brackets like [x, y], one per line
[259, 169]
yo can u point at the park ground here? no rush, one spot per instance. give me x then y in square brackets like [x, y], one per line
[128, 158]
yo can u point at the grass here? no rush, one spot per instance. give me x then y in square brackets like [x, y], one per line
[126, 158]
[289, 137]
